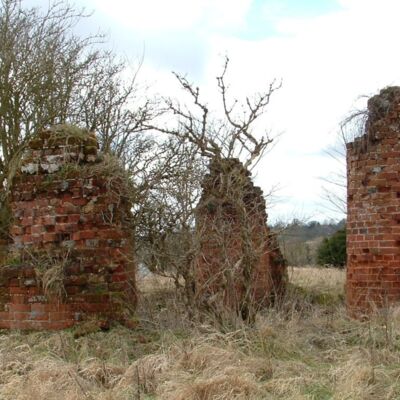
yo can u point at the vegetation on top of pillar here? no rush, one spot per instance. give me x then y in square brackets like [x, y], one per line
[362, 128]
[381, 104]
[63, 135]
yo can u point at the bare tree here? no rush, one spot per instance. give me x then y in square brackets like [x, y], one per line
[228, 137]
[231, 137]
[49, 75]
[165, 219]
[335, 185]
[41, 65]
[116, 108]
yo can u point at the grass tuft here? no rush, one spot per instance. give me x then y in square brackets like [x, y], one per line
[305, 348]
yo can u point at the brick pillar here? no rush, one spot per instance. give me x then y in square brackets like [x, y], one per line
[237, 250]
[373, 219]
[71, 257]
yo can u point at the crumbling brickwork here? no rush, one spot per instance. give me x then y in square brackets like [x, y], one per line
[71, 257]
[239, 264]
[3, 250]
[373, 220]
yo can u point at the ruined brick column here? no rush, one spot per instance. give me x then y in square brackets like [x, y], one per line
[239, 264]
[373, 219]
[71, 257]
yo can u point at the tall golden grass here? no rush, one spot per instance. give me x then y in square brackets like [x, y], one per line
[305, 347]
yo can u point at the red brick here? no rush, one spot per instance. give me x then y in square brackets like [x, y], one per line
[45, 222]
[4, 324]
[41, 308]
[50, 307]
[21, 316]
[119, 277]
[33, 291]
[4, 315]
[74, 218]
[19, 307]
[37, 229]
[18, 298]
[79, 201]
[57, 325]
[49, 237]
[89, 234]
[27, 221]
[111, 234]
[76, 280]
[60, 316]
[60, 228]
[71, 290]
[17, 290]
[39, 316]
[373, 168]
[98, 298]
[48, 220]
[96, 307]
[17, 230]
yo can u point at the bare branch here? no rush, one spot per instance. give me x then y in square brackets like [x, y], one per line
[231, 136]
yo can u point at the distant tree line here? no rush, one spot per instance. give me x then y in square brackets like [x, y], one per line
[307, 243]
[332, 250]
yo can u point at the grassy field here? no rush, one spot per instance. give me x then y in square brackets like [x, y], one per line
[304, 348]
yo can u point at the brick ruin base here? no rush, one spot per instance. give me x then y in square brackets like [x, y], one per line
[373, 219]
[239, 264]
[71, 257]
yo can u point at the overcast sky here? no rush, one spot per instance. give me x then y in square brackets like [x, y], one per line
[327, 52]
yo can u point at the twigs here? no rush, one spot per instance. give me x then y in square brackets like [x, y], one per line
[231, 136]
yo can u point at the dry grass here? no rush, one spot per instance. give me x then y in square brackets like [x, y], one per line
[327, 280]
[304, 348]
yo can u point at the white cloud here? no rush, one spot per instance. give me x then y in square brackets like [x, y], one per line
[325, 62]
[174, 15]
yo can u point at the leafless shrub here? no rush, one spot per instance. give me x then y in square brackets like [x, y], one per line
[218, 140]
[49, 75]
